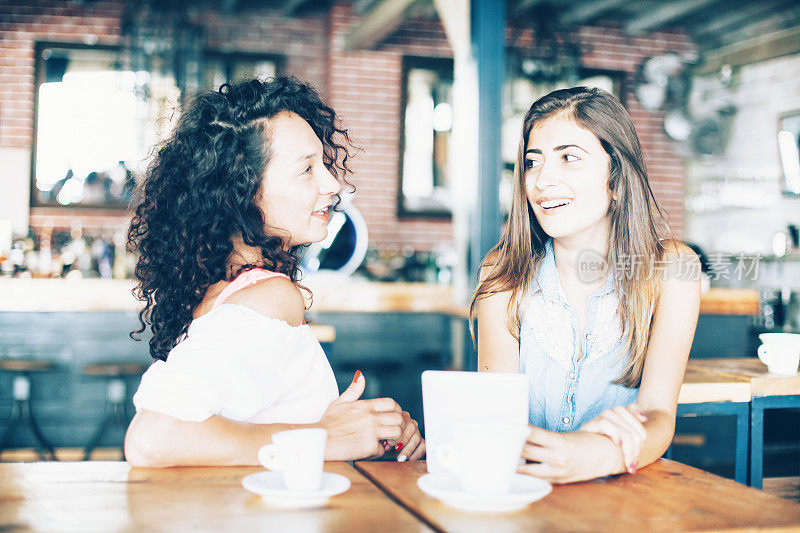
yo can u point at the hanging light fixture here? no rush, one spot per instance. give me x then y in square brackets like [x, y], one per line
[159, 37]
[556, 55]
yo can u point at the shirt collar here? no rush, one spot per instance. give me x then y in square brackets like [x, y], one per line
[549, 283]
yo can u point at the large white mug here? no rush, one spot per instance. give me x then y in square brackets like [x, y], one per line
[299, 454]
[780, 352]
[484, 456]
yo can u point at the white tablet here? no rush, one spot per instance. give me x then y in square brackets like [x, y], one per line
[450, 398]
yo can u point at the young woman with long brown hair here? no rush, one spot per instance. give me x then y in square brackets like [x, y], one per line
[586, 294]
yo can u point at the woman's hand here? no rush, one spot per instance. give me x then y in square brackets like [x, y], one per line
[411, 445]
[357, 429]
[567, 457]
[623, 425]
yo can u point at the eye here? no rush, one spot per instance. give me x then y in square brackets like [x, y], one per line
[307, 169]
[570, 158]
[530, 163]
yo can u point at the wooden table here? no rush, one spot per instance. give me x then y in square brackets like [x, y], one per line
[112, 496]
[767, 391]
[752, 371]
[665, 496]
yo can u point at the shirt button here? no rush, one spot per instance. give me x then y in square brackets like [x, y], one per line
[565, 420]
[573, 374]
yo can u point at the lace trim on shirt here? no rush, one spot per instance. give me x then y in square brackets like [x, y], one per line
[552, 326]
[606, 331]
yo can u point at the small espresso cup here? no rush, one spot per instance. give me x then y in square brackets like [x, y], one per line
[299, 454]
[484, 457]
[780, 352]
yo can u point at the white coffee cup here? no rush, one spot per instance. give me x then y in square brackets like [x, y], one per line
[780, 352]
[484, 456]
[299, 454]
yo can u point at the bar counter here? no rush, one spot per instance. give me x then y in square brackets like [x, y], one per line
[330, 296]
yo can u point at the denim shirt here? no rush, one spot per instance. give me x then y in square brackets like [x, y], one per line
[566, 392]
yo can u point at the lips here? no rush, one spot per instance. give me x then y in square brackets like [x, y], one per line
[553, 202]
[321, 212]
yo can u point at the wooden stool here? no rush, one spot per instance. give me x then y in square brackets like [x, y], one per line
[116, 410]
[21, 413]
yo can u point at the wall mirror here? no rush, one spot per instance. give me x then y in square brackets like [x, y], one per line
[425, 137]
[96, 123]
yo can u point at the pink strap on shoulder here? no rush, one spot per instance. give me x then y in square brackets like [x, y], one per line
[243, 280]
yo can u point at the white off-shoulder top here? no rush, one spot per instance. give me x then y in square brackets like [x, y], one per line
[243, 365]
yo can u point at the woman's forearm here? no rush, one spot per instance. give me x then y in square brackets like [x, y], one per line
[606, 458]
[159, 440]
[660, 427]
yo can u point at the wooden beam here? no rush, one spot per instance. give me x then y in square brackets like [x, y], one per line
[380, 22]
[761, 48]
[583, 12]
[756, 27]
[732, 18]
[228, 6]
[454, 16]
[524, 5]
[652, 19]
[364, 6]
[291, 7]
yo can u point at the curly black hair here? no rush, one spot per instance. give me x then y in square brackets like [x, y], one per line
[201, 191]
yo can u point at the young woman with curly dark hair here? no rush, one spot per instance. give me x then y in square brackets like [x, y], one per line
[246, 178]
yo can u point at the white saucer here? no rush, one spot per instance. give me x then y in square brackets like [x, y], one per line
[271, 488]
[445, 487]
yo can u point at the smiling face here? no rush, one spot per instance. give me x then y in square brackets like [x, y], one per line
[298, 189]
[566, 178]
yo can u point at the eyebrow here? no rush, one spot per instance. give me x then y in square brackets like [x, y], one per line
[305, 157]
[556, 149]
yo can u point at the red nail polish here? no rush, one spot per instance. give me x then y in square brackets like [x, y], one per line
[398, 447]
[356, 376]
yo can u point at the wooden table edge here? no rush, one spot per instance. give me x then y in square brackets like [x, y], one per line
[398, 500]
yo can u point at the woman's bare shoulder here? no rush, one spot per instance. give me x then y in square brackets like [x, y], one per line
[276, 297]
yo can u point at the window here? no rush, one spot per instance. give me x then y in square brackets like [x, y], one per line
[425, 136]
[95, 123]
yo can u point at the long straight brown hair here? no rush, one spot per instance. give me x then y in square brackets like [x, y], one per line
[637, 223]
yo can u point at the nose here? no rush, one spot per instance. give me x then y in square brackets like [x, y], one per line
[548, 175]
[329, 185]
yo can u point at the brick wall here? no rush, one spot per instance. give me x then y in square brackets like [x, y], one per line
[364, 87]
